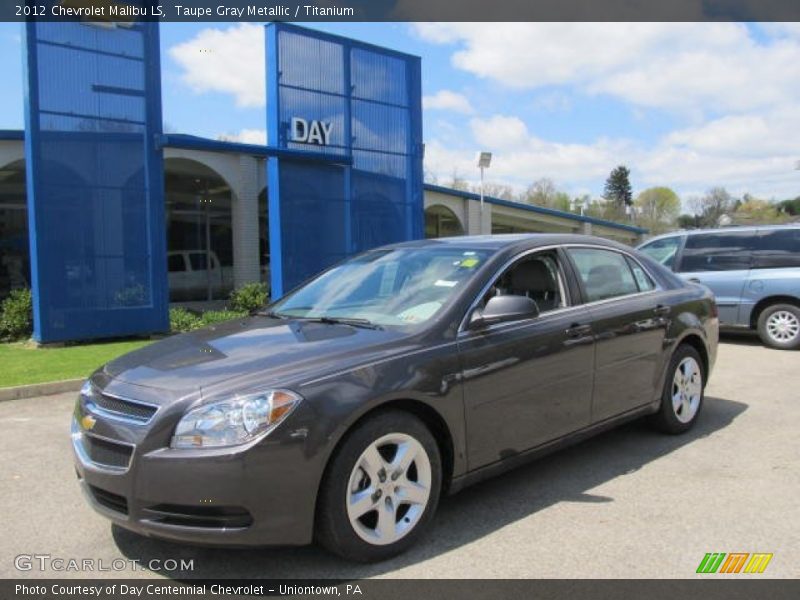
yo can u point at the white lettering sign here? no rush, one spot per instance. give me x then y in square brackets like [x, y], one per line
[311, 132]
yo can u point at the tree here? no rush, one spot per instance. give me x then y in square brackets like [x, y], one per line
[603, 209]
[712, 206]
[458, 182]
[618, 187]
[541, 192]
[658, 209]
[688, 221]
[790, 207]
[753, 211]
[495, 190]
[562, 201]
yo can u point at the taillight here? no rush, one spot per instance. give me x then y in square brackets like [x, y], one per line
[714, 309]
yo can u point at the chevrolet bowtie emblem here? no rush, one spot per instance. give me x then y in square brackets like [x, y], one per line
[88, 422]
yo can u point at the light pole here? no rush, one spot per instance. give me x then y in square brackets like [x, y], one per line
[484, 160]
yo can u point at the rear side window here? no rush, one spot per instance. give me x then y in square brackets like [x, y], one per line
[643, 280]
[663, 251]
[718, 251]
[777, 249]
[199, 261]
[604, 273]
[175, 263]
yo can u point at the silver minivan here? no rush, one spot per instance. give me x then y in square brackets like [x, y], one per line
[753, 271]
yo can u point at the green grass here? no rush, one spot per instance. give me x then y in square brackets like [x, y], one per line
[22, 363]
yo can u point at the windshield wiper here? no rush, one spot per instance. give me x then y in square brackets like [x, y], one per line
[353, 321]
[271, 314]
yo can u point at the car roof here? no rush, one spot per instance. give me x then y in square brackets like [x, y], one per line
[509, 240]
[736, 228]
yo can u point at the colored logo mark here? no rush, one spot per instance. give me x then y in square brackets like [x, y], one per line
[734, 562]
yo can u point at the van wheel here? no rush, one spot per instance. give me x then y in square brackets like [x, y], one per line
[381, 488]
[779, 326]
[682, 397]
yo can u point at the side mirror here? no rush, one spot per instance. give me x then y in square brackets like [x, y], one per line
[504, 308]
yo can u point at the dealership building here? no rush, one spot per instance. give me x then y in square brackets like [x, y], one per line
[110, 221]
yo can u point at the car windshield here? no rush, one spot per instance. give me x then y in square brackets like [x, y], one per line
[400, 286]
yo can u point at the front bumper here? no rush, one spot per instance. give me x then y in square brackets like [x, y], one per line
[253, 495]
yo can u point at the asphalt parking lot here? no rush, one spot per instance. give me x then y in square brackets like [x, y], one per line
[629, 503]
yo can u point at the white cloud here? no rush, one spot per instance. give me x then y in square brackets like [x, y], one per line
[680, 66]
[748, 153]
[448, 100]
[246, 136]
[228, 60]
[520, 158]
[736, 90]
[500, 131]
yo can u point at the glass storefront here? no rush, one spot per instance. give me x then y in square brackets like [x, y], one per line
[15, 265]
[440, 221]
[199, 232]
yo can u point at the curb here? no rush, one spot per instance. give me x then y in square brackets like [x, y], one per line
[40, 389]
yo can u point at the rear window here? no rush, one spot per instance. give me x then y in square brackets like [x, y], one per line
[777, 249]
[718, 251]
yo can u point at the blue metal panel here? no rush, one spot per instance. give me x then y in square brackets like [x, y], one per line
[370, 98]
[95, 180]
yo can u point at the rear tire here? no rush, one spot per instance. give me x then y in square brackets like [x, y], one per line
[779, 326]
[381, 488]
[684, 388]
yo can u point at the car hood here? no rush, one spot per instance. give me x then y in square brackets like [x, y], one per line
[255, 351]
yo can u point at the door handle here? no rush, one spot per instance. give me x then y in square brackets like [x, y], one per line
[694, 280]
[662, 310]
[577, 330]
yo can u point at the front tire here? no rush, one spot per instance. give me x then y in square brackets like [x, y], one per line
[381, 488]
[682, 397]
[779, 326]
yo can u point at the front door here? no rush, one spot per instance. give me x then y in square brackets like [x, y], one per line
[527, 382]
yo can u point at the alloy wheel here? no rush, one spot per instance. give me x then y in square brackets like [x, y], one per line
[687, 389]
[389, 489]
[783, 326]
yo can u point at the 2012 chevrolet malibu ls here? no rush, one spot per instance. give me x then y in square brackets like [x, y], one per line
[345, 410]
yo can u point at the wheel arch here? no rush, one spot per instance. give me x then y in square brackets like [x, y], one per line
[762, 304]
[429, 416]
[695, 341]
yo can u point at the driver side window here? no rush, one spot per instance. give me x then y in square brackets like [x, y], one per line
[538, 276]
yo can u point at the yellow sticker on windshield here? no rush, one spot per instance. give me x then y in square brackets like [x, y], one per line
[469, 262]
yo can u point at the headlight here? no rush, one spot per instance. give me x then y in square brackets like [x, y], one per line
[235, 420]
[87, 389]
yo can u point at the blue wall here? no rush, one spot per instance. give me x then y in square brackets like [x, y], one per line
[95, 180]
[365, 104]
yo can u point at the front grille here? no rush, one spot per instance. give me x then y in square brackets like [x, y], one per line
[127, 408]
[111, 501]
[209, 517]
[107, 453]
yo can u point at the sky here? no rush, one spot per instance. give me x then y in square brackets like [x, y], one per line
[685, 105]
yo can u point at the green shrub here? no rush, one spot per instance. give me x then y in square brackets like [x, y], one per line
[249, 298]
[16, 315]
[217, 316]
[181, 319]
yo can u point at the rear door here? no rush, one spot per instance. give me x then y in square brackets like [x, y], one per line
[775, 270]
[720, 260]
[629, 316]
